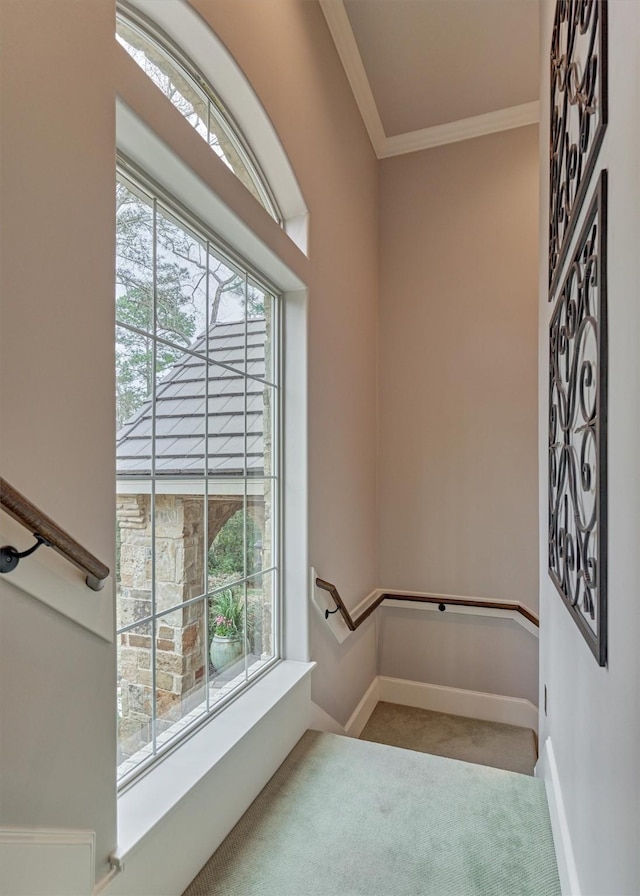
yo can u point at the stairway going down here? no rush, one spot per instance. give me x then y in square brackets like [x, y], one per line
[344, 817]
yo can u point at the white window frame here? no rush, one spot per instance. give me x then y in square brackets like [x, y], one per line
[179, 58]
[199, 715]
[185, 28]
[165, 146]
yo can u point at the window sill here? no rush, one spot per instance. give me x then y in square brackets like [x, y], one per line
[196, 717]
[148, 801]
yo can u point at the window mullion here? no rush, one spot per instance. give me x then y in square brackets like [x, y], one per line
[246, 473]
[206, 475]
[154, 365]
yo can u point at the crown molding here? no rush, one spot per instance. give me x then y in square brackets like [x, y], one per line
[342, 34]
[426, 138]
[464, 129]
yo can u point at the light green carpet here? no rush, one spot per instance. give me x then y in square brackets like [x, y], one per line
[471, 740]
[343, 817]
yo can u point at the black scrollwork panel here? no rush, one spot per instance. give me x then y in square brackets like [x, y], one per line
[577, 431]
[578, 116]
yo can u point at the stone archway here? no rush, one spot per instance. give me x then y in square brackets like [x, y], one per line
[181, 636]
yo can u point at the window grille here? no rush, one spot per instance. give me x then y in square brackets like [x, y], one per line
[191, 94]
[197, 403]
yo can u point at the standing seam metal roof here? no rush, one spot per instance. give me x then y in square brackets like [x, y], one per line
[180, 411]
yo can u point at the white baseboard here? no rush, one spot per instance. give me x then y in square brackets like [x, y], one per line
[458, 702]
[361, 714]
[55, 862]
[547, 770]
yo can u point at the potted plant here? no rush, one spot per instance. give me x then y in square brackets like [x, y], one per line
[226, 627]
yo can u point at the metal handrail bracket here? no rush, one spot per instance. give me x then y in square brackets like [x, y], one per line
[47, 533]
[442, 602]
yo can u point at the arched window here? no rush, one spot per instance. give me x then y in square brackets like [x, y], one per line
[177, 77]
[200, 385]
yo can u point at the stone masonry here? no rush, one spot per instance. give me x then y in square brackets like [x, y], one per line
[181, 636]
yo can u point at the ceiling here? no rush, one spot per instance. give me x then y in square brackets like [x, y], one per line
[428, 72]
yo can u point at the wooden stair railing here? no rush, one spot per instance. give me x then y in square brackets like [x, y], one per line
[353, 624]
[48, 533]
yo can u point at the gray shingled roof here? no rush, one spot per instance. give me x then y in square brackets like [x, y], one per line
[180, 409]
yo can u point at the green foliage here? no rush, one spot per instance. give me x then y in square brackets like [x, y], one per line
[226, 615]
[178, 258]
[226, 555]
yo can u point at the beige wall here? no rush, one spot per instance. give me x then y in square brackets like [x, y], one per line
[56, 366]
[288, 55]
[458, 262]
[475, 653]
[593, 716]
[57, 693]
[304, 90]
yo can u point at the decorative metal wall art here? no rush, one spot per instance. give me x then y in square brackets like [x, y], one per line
[577, 431]
[578, 116]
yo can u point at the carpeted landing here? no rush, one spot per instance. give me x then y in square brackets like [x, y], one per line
[344, 817]
[471, 740]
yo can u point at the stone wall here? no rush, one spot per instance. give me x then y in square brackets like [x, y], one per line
[181, 635]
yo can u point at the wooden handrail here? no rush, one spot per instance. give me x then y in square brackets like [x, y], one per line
[51, 534]
[353, 624]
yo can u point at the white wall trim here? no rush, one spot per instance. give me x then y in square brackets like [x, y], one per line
[463, 129]
[495, 612]
[459, 702]
[343, 37]
[186, 27]
[58, 862]
[426, 138]
[322, 601]
[547, 770]
[214, 777]
[153, 135]
[361, 714]
[455, 701]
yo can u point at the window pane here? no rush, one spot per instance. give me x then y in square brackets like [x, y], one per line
[196, 492]
[168, 77]
[134, 258]
[228, 641]
[227, 302]
[259, 526]
[261, 621]
[197, 106]
[181, 656]
[179, 544]
[134, 360]
[181, 297]
[134, 385]
[259, 343]
[226, 423]
[133, 558]
[260, 429]
[226, 537]
[135, 700]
